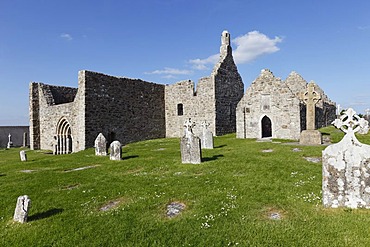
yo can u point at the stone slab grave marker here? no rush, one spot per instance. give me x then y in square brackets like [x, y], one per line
[23, 155]
[310, 136]
[100, 145]
[207, 136]
[22, 208]
[346, 167]
[190, 145]
[115, 151]
[10, 143]
[25, 138]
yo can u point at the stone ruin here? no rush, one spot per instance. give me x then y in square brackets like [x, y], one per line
[346, 167]
[190, 145]
[310, 136]
[21, 209]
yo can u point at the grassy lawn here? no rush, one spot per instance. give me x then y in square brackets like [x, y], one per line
[229, 198]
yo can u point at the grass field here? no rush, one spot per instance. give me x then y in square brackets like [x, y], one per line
[229, 198]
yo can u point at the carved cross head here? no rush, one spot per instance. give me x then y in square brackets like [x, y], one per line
[205, 125]
[188, 127]
[349, 121]
[311, 96]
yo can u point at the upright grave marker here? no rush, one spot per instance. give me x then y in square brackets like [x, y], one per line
[190, 145]
[21, 209]
[23, 155]
[10, 143]
[310, 136]
[100, 145]
[207, 136]
[115, 151]
[346, 167]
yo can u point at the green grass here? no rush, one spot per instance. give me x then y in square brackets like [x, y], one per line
[228, 197]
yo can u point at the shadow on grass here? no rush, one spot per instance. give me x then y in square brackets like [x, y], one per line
[130, 157]
[221, 146]
[45, 214]
[1, 175]
[214, 157]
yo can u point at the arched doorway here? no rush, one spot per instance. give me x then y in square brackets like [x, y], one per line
[63, 137]
[266, 127]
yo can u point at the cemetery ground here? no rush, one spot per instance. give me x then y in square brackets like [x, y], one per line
[244, 193]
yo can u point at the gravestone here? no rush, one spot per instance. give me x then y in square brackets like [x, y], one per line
[310, 136]
[100, 145]
[115, 150]
[346, 167]
[365, 129]
[25, 137]
[207, 136]
[10, 143]
[21, 209]
[190, 145]
[23, 155]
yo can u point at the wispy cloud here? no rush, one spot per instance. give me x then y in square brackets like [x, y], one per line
[252, 45]
[248, 47]
[201, 64]
[66, 36]
[170, 73]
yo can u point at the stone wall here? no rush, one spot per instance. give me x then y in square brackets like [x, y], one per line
[123, 109]
[285, 108]
[16, 135]
[214, 99]
[268, 97]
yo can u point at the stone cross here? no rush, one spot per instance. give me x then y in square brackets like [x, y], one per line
[345, 166]
[207, 136]
[310, 98]
[21, 209]
[10, 143]
[188, 128]
[115, 151]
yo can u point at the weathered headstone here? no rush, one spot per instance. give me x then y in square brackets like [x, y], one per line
[190, 145]
[310, 136]
[23, 155]
[346, 167]
[100, 145]
[365, 129]
[207, 136]
[22, 208]
[115, 150]
[25, 138]
[10, 143]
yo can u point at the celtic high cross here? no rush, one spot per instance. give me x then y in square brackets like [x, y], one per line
[310, 98]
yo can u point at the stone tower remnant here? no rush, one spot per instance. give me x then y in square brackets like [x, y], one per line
[346, 166]
[190, 145]
[311, 136]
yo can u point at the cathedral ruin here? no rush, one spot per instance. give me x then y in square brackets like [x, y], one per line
[66, 119]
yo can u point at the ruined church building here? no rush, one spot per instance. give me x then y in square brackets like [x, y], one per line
[65, 119]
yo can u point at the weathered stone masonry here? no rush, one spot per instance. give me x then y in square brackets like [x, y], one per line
[214, 100]
[122, 109]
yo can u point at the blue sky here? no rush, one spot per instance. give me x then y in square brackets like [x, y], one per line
[165, 41]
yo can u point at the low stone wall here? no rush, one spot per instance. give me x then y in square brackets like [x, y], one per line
[16, 133]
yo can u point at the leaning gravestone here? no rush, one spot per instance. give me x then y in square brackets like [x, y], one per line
[346, 167]
[115, 150]
[23, 155]
[21, 209]
[100, 145]
[190, 145]
[310, 136]
[207, 137]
